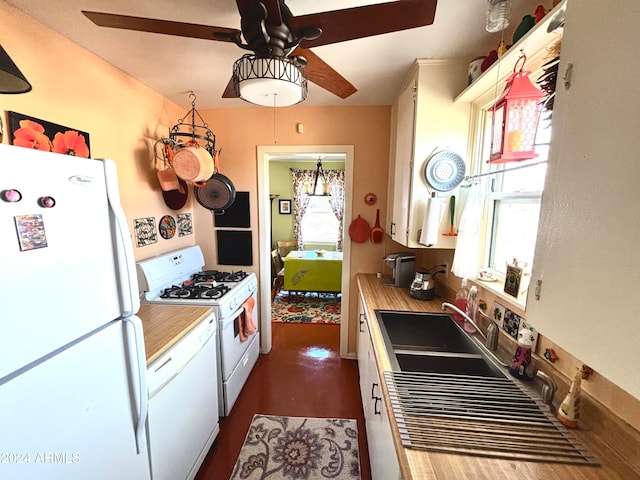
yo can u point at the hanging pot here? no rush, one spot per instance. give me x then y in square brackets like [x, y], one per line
[217, 193]
[176, 199]
[193, 163]
[167, 177]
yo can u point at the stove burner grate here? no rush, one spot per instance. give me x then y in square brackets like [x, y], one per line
[219, 276]
[202, 290]
[215, 292]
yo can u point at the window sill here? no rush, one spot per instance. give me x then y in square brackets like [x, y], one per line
[497, 289]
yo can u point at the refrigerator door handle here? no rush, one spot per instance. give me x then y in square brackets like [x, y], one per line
[139, 367]
[125, 258]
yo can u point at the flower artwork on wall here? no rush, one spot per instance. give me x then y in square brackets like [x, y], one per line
[30, 132]
[185, 226]
[145, 229]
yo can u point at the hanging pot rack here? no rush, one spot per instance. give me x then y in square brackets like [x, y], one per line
[192, 129]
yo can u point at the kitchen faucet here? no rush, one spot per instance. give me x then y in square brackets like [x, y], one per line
[467, 317]
[549, 386]
[446, 305]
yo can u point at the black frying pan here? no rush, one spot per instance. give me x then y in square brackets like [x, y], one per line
[218, 193]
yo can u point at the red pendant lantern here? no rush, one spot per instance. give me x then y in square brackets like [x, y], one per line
[515, 118]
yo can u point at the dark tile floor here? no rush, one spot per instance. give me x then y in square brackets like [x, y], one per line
[302, 376]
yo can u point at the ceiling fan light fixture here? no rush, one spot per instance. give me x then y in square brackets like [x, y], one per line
[270, 81]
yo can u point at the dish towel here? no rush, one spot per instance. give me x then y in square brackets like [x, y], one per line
[431, 222]
[467, 254]
[247, 325]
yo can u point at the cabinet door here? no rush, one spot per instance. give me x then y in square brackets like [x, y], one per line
[589, 234]
[426, 120]
[382, 453]
[402, 167]
[363, 355]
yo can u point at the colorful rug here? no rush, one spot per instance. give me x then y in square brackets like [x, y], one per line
[306, 308]
[299, 448]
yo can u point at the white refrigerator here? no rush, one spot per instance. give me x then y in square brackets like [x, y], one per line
[73, 396]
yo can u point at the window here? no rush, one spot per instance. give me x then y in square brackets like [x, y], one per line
[319, 224]
[513, 201]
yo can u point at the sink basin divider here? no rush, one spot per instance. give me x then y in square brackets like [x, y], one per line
[434, 353]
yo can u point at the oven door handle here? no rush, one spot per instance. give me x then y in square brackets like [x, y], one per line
[226, 319]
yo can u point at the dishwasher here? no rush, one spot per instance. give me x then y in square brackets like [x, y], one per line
[183, 404]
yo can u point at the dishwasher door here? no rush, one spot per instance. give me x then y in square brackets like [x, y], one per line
[183, 404]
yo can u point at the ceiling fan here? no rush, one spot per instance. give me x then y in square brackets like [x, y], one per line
[272, 32]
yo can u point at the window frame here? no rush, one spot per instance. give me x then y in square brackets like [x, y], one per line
[318, 241]
[492, 173]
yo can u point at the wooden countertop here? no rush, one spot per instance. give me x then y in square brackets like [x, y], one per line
[423, 465]
[164, 325]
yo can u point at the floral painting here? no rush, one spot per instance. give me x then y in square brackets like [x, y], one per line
[30, 132]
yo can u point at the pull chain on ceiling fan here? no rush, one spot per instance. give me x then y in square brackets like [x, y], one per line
[281, 60]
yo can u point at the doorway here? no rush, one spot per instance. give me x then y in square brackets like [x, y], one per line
[264, 155]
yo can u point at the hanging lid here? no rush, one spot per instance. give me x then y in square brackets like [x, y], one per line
[444, 170]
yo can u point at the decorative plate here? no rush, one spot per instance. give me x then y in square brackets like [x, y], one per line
[370, 198]
[167, 227]
[444, 170]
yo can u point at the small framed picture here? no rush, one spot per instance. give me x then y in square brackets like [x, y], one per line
[512, 280]
[285, 207]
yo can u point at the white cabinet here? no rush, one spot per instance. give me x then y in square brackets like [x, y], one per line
[424, 119]
[589, 235]
[382, 454]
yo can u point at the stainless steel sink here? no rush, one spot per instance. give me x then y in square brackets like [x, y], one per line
[474, 365]
[424, 331]
[448, 395]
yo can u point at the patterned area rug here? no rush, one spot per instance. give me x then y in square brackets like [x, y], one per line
[299, 448]
[307, 308]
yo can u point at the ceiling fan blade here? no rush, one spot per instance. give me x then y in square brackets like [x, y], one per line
[274, 15]
[359, 22]
[142, 24]
[320, 73]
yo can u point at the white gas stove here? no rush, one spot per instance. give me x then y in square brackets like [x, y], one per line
[177, 278]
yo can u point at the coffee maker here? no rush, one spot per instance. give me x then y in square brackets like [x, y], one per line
[403, 266]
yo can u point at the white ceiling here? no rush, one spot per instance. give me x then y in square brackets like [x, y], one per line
[174, 66]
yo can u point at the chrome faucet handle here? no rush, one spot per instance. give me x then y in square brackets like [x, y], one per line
[549, 387]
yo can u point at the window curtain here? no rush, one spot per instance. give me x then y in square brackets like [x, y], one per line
[335, 180]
